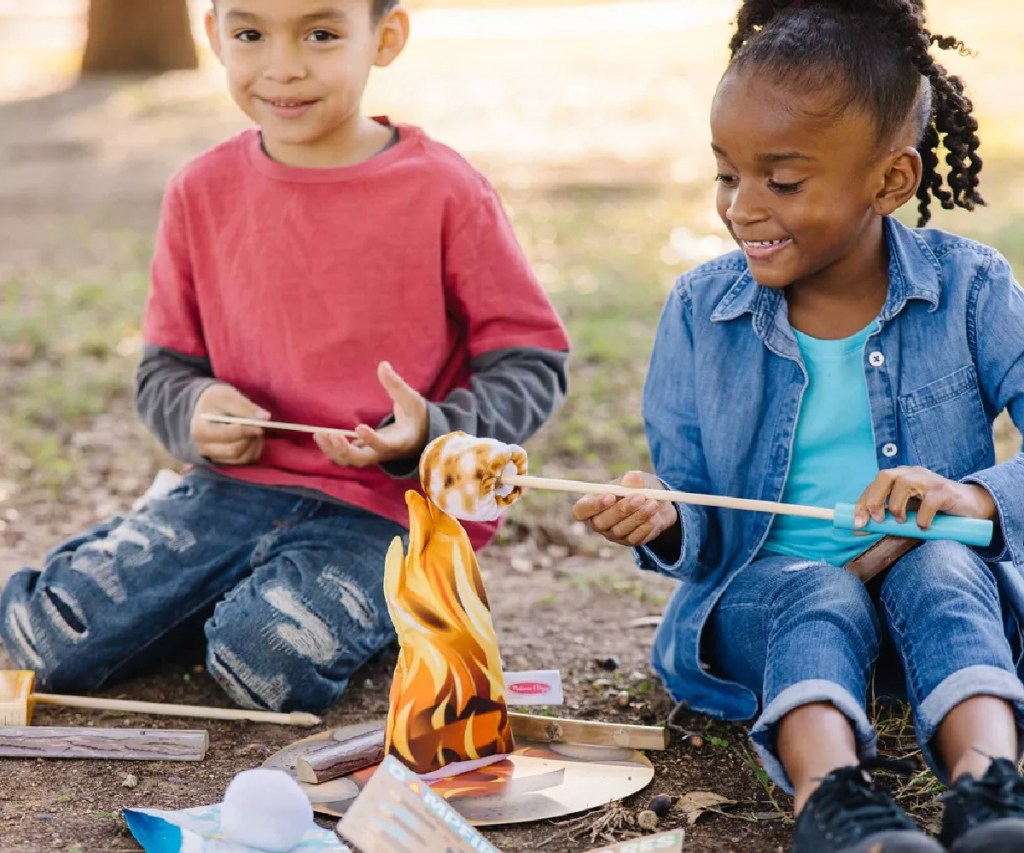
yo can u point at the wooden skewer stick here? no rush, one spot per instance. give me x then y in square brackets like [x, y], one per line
[581, 488]
[295, 718]
[232, 419]
[88, 742]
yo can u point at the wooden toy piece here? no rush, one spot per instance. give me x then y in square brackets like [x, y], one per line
[555, 730]
[231, 419]
[339, 758]
[17, 701]
[89, 742]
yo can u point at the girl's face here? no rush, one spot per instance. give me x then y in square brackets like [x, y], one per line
[796, 192]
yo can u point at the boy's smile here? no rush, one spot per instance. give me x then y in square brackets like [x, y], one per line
[299, 68]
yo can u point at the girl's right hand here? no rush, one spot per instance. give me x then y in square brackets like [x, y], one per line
[632, 521]
[227, 444]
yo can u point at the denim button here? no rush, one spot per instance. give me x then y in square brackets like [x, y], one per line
[876, 359]
[889, 450]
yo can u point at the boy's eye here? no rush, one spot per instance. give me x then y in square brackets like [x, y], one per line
[248, 36]
[322, 36]
[776, 187]
[727, 180]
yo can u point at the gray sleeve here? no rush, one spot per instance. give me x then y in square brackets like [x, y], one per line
[167, 385]
[511, 393]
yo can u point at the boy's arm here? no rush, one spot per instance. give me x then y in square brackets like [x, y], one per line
[511, 393]
[167, 386]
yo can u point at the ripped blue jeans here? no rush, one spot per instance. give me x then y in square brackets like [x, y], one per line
[289, 590]
[796, 632]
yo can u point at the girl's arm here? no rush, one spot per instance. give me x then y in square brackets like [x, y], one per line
[996, 332]
[674, 437]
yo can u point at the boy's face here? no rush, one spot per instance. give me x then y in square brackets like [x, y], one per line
[797, 194]
[298, 68]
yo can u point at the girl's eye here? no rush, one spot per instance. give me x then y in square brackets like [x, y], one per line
[248, 36]
[322, 36]
[784, 189]
[727, 180]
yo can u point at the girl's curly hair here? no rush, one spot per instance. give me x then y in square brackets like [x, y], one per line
[878, 51]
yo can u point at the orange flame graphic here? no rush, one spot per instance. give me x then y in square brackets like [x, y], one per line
[448, 695]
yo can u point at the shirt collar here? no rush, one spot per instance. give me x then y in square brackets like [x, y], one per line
[914, 273]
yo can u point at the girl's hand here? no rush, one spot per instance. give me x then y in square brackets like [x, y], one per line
[227, 444]
[632, 521]
[894, 488]
[404, 438]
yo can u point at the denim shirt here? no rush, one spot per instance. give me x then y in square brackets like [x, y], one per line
[722, 399]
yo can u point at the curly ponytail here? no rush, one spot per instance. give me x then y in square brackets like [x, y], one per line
[880, 50]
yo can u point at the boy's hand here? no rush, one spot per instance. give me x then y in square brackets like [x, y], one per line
[894, 488]
[227, 444]
[632, 521]
[402, 439]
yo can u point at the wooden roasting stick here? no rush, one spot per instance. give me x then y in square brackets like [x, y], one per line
[88, 742]
[231, 419]
[339, 758]
[295, 718]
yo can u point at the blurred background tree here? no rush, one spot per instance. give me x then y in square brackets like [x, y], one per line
[139, 36]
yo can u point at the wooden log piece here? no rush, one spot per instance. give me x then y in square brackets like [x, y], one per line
[554, 730]
[339, 758]
[90, 742]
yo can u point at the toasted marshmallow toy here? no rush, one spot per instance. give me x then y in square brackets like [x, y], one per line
[461, 475]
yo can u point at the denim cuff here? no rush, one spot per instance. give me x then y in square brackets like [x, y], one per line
[691, 520]
[1005, 482]
[979, 680]
[764, 734]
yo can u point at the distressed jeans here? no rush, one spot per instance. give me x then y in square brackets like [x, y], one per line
[796, 631]
[289, 589]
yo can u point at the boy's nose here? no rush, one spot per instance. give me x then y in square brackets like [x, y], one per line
[284, 64]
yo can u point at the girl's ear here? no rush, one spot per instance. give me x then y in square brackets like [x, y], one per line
[212, 33]
[394, 33]
[900, 182]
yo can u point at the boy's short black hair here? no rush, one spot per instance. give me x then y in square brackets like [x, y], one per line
[382, 7]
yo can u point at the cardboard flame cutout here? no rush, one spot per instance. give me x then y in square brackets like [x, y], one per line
[447, 707]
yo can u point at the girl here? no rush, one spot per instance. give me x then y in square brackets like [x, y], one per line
[840, 356]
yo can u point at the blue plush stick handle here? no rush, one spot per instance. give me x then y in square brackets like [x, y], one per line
[969, 531]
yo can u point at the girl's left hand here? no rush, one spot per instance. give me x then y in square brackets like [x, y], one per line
[893, 488]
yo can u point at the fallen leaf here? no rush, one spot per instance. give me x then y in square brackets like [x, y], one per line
[694, 804]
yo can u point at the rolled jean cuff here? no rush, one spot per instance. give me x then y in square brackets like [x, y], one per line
[979, 680]
[764, 733]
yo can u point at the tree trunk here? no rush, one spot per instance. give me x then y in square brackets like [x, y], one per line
[139, 36]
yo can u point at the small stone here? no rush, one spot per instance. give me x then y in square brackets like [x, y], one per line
[130, 781]
[647, 820]
[695, 740]
[601, 683]
[623, 698]
[661, 804]
[368, 684]
[173, 778]
[608, 664]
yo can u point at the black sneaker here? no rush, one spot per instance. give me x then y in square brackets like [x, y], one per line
[985, 814]
[848, 814]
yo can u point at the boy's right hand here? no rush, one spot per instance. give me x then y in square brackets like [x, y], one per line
[227, 444]
[632, 521]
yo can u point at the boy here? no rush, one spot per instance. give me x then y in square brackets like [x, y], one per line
[325, 268]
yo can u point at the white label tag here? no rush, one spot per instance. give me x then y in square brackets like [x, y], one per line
[539, 687]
